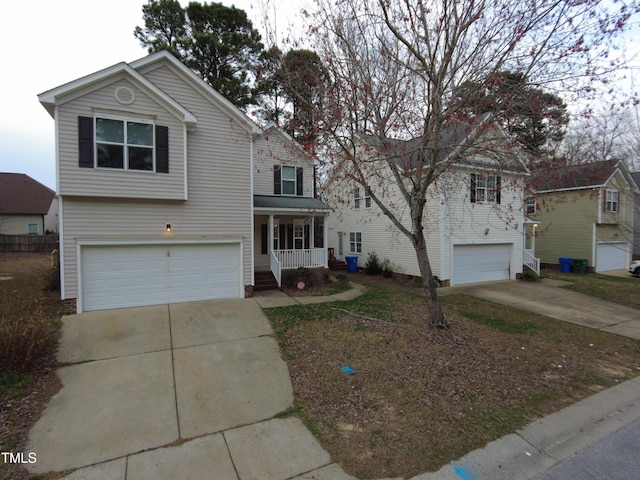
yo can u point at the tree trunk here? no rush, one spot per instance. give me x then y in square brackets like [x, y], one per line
[436, 314]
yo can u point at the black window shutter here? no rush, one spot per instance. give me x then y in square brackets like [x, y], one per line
[290, 236]
[473, 188]
[162, 149]
[299, 185]
[307, 234]
[265, 238]
[85, 142]
[277, 180]
[498, 188]
[283, 236]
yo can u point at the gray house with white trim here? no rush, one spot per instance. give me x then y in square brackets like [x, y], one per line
[156, 176]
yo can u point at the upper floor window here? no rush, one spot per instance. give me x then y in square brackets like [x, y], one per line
[356, 197]
[287, 180]
[125, 144]
[485, 188]
[531, 205]
[612, 201]
[367, 199]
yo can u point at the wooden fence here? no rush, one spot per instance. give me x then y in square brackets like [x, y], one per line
[28, 243]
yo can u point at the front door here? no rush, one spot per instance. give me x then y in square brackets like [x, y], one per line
[298, 234]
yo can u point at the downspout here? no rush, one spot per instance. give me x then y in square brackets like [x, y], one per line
[252, 220]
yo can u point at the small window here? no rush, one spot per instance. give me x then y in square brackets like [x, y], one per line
[612, 201]
[355, 242]
[367, 199]
[33, 229]
[531, 205]
[485, 188]
[356, 198]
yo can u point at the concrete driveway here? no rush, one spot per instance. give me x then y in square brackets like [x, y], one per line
[174, 391]
[546, 298]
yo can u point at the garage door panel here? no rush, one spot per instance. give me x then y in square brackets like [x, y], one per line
[481, 263]
[138, 275]
[612, 256]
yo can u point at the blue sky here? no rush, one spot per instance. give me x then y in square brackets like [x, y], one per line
[51, 43]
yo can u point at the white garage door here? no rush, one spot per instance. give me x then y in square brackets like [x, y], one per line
[612, 256]
[137, 275]
[480, 263]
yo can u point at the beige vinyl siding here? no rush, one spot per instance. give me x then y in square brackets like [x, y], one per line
[219, 201]
[623, 219]
[100, 182]
[17, 224]
[566, 228]
[271, 149]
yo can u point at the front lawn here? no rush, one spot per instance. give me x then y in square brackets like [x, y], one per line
[421, 397]
[625, 291]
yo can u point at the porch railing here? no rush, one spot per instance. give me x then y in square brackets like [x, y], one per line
[309, 257]
[529, 259]
[276, 269]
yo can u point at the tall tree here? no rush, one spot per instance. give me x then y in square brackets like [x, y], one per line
[217, 42]
[396, 66]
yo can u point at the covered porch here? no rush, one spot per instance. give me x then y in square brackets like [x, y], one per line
[290, 232]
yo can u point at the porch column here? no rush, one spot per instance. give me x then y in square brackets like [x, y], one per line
[312, 233]
[270, 235]
[325, 240]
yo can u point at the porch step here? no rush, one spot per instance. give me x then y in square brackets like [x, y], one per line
[337, 265]
[264, 281]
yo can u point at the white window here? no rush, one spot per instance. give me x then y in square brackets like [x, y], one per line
[276, 236]
[485, 188]
[612, 201]
[531, 205]
[367, 199]
[356, 198]
[33, 228]
[355, 242]
[124, 144]
[288, 180]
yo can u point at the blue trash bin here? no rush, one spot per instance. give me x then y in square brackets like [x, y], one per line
[352, 264]
[565, 264]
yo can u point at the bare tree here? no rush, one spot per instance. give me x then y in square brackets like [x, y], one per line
[397, 67]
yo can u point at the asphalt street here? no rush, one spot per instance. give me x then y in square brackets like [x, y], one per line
[617, 457]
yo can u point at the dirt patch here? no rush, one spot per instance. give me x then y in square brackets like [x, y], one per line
[24, 392]
[421, 397]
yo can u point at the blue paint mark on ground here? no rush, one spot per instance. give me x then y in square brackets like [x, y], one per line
[463, 473]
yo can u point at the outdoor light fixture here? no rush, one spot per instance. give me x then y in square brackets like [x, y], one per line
[486, 232]
[168, 228]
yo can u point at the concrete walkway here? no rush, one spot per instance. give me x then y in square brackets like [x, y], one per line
[179, 391]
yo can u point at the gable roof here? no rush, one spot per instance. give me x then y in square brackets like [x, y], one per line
[453, 137]
[576, 177]
[636, 178]
[22, 195]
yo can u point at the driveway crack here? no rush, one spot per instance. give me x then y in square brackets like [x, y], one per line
[173, 372]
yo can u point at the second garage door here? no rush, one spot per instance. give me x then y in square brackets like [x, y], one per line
[481, 263]
[612, 256]
[136, 275]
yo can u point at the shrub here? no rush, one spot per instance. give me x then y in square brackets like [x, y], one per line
[310, 277]
[373, 266]
[387, 268]
[529, 275]
[342, 278]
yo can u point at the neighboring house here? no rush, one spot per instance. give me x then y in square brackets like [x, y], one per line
[473, 217]
[636, 218]
[26, 206]
[156, 177]
[586, 212]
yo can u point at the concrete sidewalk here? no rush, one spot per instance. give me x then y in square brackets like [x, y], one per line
[177, 391]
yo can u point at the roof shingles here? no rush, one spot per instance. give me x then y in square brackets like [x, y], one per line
[22, 195]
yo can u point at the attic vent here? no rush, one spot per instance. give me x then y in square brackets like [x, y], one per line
[124, 95]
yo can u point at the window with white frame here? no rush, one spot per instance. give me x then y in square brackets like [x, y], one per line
[612, 201]
[124, 144]
[288, 180]
[485, 188]
[367, 199]
[33, 229]
[356, 197]
[531, 205]
[355, 242]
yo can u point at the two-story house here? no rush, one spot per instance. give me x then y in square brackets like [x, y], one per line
[586, 212]
[164, 187]
[474, 216]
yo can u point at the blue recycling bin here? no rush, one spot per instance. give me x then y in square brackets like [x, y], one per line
[565, 264]
[352, 264]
